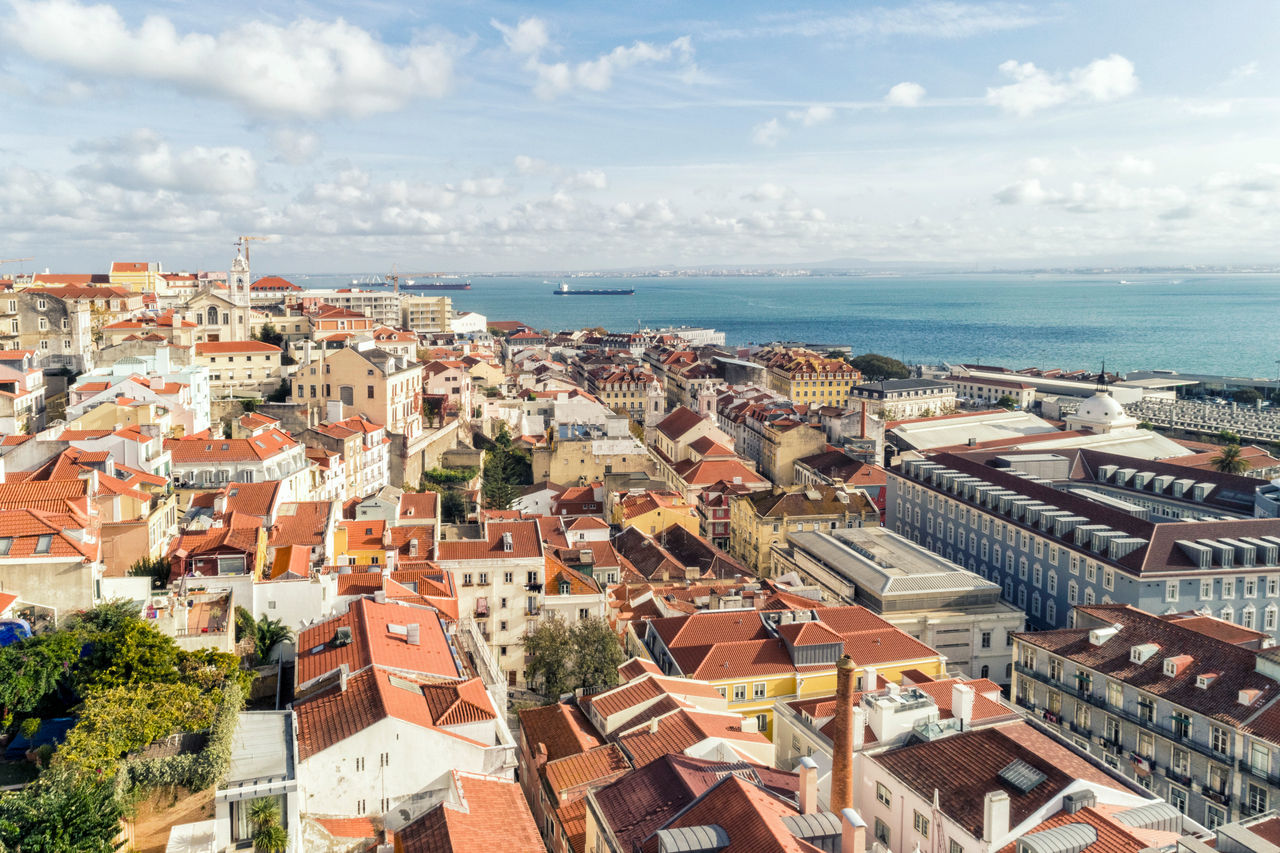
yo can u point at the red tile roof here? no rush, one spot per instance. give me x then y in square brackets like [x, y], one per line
[492, 817]
[962, 768]
[193, 450]
[645, 799]
[602, 763]
[1112, 836]
[680, 730]
[562, 729]
[679, 422]
[38, 535]
[348, 827]
[635, 668]
[235, 347]
[526, 543]
[418, 506]
[374, 643]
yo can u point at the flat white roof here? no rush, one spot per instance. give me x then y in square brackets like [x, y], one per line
[980, 426]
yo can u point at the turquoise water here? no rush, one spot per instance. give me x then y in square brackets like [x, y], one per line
[1209, 323]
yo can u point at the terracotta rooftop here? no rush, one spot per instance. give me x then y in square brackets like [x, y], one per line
[962, 768]
[266, 445]
[525, 543]
[679, 422]
[379, 637]
[562, 729]
[471, 825]
[573, 771]
[680, 730]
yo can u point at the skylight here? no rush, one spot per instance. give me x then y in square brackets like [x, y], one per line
[1022, 775]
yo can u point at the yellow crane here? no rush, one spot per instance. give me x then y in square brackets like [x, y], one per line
[393, 278]
[243, 244]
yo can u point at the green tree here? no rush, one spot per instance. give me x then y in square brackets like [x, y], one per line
[453, 509]
[597, 654]
[281, 394]
[548, 656]
[270, 335]
[35, 668]
[108, 616]
[270, 634]
[875, 367]
[433, 410]
[61, 812]
[156, 568]
[130, 654]
[268, 835]
[1230, 461]
[1226, 436]
[1246, 396]
[1007, 402]
[245, 626]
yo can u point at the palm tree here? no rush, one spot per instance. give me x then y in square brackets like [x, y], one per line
[268, 835]
[1229, 460]
[271, 633]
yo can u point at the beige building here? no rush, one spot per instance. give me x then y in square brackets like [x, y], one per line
[138, 276]
[583, 453]
[759, 520]
[901, 399]
[363, 380]
[240, 368]
[426, 313]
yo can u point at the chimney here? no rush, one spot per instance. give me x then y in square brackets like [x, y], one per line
[380, 596]
[749, 725]
[842, 746]
[995, 817]
[859, 738]
[962, 704]
[808, 770]
[413, 633]
[653, 726]
[869, 682]
[853, 832]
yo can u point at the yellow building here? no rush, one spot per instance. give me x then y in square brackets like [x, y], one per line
[363, 542]
[804, 376]
[756, 657]
[759, 520]
[651, 512]
[240, 368]
[365, 380]
[112, 414]
[138, 276]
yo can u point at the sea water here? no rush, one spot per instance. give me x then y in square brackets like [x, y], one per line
[1222, 323]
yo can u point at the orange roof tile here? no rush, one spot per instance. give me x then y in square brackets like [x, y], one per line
[469, 826]
[373, 642]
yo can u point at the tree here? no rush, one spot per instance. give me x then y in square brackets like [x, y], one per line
[453, 509]
[271, 633]
[268, 835]
[876, 368]
[597, 654]
[63, 811]
[1229, 460]
[281, 394]
[130, 654]
[156, 568]
[1007, 402]
[35, 668]
[432, 410]
[245, 626]
[1226, 436]
[548, 653]
[270, 335]
[1246, 396]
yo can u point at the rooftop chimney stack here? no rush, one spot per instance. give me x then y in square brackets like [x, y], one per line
[853, 832]
[962, 704]
[859, 737]
[869, 680]
[995, 817]
[808, 770]
[842, 745]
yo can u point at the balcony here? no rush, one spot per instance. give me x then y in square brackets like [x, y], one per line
[1182, 779]
[1257, 772]
[1220, 797]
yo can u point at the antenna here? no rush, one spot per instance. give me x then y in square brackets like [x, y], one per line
[1102, 378]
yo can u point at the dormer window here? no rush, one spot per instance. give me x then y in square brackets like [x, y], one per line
[1142, 653]
[1203, 681]
[564, 587]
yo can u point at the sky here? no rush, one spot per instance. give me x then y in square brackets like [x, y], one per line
[487, 136]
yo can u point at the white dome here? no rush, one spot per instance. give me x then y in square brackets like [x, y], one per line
[1101, 408]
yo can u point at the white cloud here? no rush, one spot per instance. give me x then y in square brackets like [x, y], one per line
[1130, 165]
[526, 38]
[812, 115]
[1026, 191]
[482, 187]
[768, 192]
[1035, 89]
[905, 94]
[144, 161]
[1245, 71]
[768, 133]
[529, 39]
[527, 165]
[945, 20]
[1038, 165]
[306, 68]
[294, 146]
[588, 179]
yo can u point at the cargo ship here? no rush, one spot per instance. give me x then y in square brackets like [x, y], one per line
[563, 290]
[436, 285]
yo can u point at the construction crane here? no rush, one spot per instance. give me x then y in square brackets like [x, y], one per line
[14, 260]
[243, 244]
[393, 278]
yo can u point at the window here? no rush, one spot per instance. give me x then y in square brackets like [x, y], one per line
[1170, 591]
[921, 823]
[1178, 798]
[507, 577]
[762, 723]
[1214, 817]
[955, 847]
[1228, 588]
[1219, 740]
[1111, 730]
[483, 578]
[1053, 582]
[1022, 569]
[739, 692]
[1027, 656]
[1037, 574]
[1181, 724]
[1073, 593]
[1206, 590]
[1089, 596]
[359, 763]
[1146, 744]
[882, 832]
[986, 639]
[883, 795]
[1260, 758]
[1146, 709]
[758, 690]
[1250, 587]
[1090, 570]
[1051, 612]
[466, 578]
[1181, 762]
[1055, 669]
[1115, 694]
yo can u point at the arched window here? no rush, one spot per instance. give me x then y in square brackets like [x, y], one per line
[212, 316]
[986, 671]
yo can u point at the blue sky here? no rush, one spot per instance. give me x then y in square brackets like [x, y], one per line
[500, 136]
